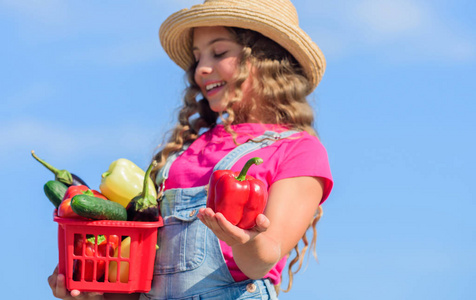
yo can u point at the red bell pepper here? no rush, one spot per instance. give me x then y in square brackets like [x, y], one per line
[104, 248]
[239, 197]
[65, 210]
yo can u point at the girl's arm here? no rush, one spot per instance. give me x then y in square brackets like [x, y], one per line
[292, 203]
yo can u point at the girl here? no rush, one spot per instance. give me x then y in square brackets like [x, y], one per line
[253, 67]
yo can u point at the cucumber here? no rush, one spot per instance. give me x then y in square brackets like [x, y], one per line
[54, 191]
[97, 208]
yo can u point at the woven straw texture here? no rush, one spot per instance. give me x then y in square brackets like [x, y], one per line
[275, 19]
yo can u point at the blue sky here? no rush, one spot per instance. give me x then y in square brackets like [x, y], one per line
[86, 83]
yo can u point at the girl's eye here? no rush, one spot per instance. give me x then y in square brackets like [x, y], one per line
[220, 54]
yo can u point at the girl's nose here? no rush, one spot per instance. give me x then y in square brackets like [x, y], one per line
[203, 68]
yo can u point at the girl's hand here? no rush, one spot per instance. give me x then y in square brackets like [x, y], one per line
[57, 285]
[229, 233]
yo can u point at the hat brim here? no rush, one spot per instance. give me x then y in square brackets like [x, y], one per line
[175, 35]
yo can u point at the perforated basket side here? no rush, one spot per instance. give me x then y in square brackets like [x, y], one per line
[141, 260]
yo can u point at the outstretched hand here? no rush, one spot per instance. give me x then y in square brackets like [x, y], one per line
[229, 233]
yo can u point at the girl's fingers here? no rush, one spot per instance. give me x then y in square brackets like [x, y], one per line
[95, 294]
[52, 279]
[229, 233]
[224, 224]
[75, 293]
[210, 219]
[262, 223]
[57, 284]
[60, 289]
[232, 234]
[92, 295]
[203, 216]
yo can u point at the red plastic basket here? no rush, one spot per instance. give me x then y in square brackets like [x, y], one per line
[87, 266]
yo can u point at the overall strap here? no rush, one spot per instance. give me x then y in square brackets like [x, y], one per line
[164, 171]
[268, 138]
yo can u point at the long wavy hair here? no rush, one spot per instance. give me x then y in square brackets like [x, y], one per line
[278, 89]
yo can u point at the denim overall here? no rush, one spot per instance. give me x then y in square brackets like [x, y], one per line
[189, 263]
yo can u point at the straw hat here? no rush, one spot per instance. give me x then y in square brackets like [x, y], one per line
[275, 19]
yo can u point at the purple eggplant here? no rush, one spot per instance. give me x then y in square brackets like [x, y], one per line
[144, 207]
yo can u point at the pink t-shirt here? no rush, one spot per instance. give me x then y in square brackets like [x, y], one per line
[299, 155]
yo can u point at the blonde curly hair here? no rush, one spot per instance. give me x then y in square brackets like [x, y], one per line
[279, 88]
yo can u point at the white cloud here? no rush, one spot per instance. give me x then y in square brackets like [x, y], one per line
[32, 95]
[415, 26]
[121, 37]
[25, 133]
[132, 52]
[44, 11]
[64, 142]
[180, 4]
[395, 30]
[391, 18]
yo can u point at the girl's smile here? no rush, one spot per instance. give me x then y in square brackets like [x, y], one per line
[211, 88]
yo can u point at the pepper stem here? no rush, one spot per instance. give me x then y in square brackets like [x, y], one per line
[145, 190]
[60, 175]
[44, 163]
[88, 193]
[252, 161]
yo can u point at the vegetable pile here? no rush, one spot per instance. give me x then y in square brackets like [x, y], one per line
[126, 193]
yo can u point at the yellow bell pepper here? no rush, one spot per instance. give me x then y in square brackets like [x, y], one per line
[123, 181]
[124, 271]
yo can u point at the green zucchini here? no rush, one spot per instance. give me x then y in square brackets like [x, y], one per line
[54, 191]
[97, 208]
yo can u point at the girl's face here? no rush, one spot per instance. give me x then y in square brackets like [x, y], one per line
[217, 57]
